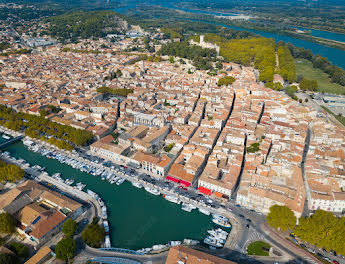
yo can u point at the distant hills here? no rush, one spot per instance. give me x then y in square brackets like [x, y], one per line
[73, 4]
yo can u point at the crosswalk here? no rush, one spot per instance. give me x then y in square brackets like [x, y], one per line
[253, 236]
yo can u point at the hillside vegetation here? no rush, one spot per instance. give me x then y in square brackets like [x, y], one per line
[71, 26]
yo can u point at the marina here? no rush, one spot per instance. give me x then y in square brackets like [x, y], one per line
[145, 214]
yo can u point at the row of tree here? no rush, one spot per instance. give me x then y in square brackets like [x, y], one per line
[286, 63]
[120, 91]
[322, 229]
[10, 172]
[40, 126]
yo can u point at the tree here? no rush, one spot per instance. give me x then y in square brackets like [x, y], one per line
[43, 112]
[8, 259]
[306, 100]
[93, 235]
[69, 227]
[21, 250]
[324, 230]
[278, 86]
[227, 80]
[307, 84]
[281, 217]
[7, 223]
[65, 248]
[255, 147]
[10, 172]
[2, 241]
[219, 65]
[118, 73]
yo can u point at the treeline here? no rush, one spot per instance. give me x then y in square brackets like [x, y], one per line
[25, 13]
[172, 33]
[323, 230]
[286, 63]
[81, 51]
[10, 172]
[18, 51]
[72, 26]
[39, 126]
[201, 58]
[335, 73]
[120, 92]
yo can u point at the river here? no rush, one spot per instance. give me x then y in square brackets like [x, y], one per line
[137, 219]
[336, 56]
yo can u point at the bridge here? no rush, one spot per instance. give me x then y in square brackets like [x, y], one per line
[115, 260]
[121, 250]
[10, 142]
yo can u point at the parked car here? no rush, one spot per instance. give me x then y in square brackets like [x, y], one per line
[335, 262]
[295, 241]
[311, 250]
[326, 258]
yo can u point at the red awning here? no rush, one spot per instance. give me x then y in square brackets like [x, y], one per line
[172, 179]
[185, 183]
[205, 190]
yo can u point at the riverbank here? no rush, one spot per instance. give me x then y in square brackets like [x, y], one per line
[140, 224]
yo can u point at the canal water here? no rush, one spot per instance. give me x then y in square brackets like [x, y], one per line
[335, 56]
[137, 218]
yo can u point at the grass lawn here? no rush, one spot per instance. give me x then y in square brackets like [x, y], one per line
[258, 248]
[305, 68]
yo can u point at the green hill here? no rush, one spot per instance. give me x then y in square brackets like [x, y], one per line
[71, 26]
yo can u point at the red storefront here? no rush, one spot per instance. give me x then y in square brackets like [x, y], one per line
[204, 190]
[172, 179]
[185, 183]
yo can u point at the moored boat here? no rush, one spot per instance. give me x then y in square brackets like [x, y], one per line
[172, 198]
[204, 211]
[137, 184]
[153, 191]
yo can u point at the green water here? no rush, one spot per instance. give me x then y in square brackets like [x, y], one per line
[137, 219]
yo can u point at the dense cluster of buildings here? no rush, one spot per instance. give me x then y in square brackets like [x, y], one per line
[242, 140]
